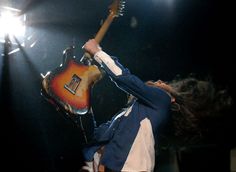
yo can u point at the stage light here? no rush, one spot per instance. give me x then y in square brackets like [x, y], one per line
[11, 23]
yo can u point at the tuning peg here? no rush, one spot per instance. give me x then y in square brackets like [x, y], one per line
[121, 12]
[122, 3]
[122, 7]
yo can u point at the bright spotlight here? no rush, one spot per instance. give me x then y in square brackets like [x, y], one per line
[11, 23]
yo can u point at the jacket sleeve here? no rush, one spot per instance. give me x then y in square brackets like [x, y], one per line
[131, 84]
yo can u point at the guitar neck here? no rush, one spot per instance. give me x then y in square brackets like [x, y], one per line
[102, 31]
[115, 10]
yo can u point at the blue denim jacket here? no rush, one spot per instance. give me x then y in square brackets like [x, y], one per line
[118, 134]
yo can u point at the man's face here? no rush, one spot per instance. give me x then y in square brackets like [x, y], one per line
[162, 85]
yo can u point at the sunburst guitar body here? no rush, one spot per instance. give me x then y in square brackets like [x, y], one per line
[69, 86]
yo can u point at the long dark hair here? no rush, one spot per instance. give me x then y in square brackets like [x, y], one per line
[199, 106]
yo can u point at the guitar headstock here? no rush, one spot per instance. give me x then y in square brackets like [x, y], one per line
[116, 8]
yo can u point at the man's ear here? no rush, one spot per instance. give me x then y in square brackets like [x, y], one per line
[172, 99]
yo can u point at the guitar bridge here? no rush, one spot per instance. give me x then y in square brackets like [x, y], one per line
[73, 85]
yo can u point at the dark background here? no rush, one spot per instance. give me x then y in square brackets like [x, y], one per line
[155, 39]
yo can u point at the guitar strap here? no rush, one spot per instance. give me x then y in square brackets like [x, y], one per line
[87, 132]
[82, 129]
[86, 123]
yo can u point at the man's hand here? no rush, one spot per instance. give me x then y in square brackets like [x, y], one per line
[92, 47]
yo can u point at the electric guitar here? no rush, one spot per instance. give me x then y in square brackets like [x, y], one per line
[69, 86]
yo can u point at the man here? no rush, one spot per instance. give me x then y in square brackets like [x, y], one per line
[127, 141]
